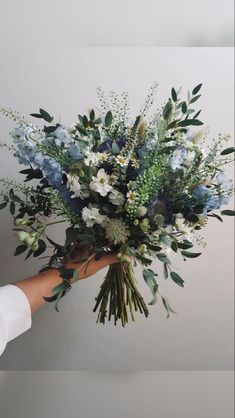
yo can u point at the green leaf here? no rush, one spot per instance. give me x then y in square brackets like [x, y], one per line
[189, 254]
[12, 208]
[228, 212]
[163, 258]
[57, 246]
[214, 215]
[197, 88]
[41, 249]
[177, 279]
[167, 110]
[167, 306]
[45, 115]
[197, 114]
[92, 114]
[173, 94]
[29, 254]
[166, 240]
[149, 277]
[36, 115]
[20, 249]
[174, 246]
[85, 121]
[108, 119]
[3, 205]
[194, 99]
[115, 148]
[165, 270]
[227, 151]
[184, 107]
[188, 122]
[185, 245]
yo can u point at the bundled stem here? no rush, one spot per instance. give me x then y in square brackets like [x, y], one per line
[119, 296]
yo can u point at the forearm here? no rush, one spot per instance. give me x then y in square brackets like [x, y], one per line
[42, 284]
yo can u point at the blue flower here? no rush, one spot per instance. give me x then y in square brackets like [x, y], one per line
[178, 157]
[74, 152]
[206, 197]
[25, 150]
[52, 171]
[62, 136]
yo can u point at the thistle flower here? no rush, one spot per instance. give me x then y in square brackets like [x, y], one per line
[117, 231]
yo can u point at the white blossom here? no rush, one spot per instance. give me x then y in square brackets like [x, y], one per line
[74, 185]
[91, 216]
[116, 198]
[101, 183]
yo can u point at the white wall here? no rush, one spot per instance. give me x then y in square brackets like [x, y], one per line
[116, 23]
[63, 80]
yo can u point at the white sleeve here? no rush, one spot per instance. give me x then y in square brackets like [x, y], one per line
[15, 314]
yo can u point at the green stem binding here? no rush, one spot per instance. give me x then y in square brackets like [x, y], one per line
[119, 295]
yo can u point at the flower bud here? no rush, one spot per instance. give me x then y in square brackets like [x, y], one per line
[141, 211]
[20, 221]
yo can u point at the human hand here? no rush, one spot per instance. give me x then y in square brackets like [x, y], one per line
[85, 263]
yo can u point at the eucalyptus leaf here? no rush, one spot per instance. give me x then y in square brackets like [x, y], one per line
[188, 122]
[20, 249]
[108, 119]
[177, 279]
[167, 306]
[228, 212]
[149, 277]
[173, 94]
[189, 254]
[45, 115]
[197, 88]
[227, 151]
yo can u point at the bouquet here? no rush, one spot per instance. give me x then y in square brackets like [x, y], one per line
[141, 187]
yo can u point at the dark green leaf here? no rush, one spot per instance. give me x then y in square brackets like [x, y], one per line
[173, 94]
[189, 254]
[149, 277]
[214, 215]
[3, 205]
[163, 258]
[12, 208]
[45, 115]
[197, 114]
[194, 99]
[29, 254]
[20, 249]
[174, 246]
[197, 88]
[189, 122]
[228, 151]
[228, 212]
[172, 124]
[53, 243]
[184, 107]
[92, 114]
[165, 270]
[85, 121]
[41, 249]
[108, 119]
[167, 306]
[167, 110]
[177, 279]
[36, 115]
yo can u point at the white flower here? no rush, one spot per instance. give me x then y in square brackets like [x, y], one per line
[100, 183]
[91, 159]
[74, 186]
[131, 196]
[92, 216]
[122, 161]
[116, 198]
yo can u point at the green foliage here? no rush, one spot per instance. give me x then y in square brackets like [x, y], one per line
[149, 277]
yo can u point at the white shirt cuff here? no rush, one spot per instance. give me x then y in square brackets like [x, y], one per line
[15, 311]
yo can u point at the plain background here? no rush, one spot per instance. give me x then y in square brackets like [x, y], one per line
[200, 336]
[116, 23]
[111, 395]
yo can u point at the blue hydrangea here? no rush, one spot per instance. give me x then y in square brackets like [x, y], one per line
[178, 157]
[74, 152]
[206, 197]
